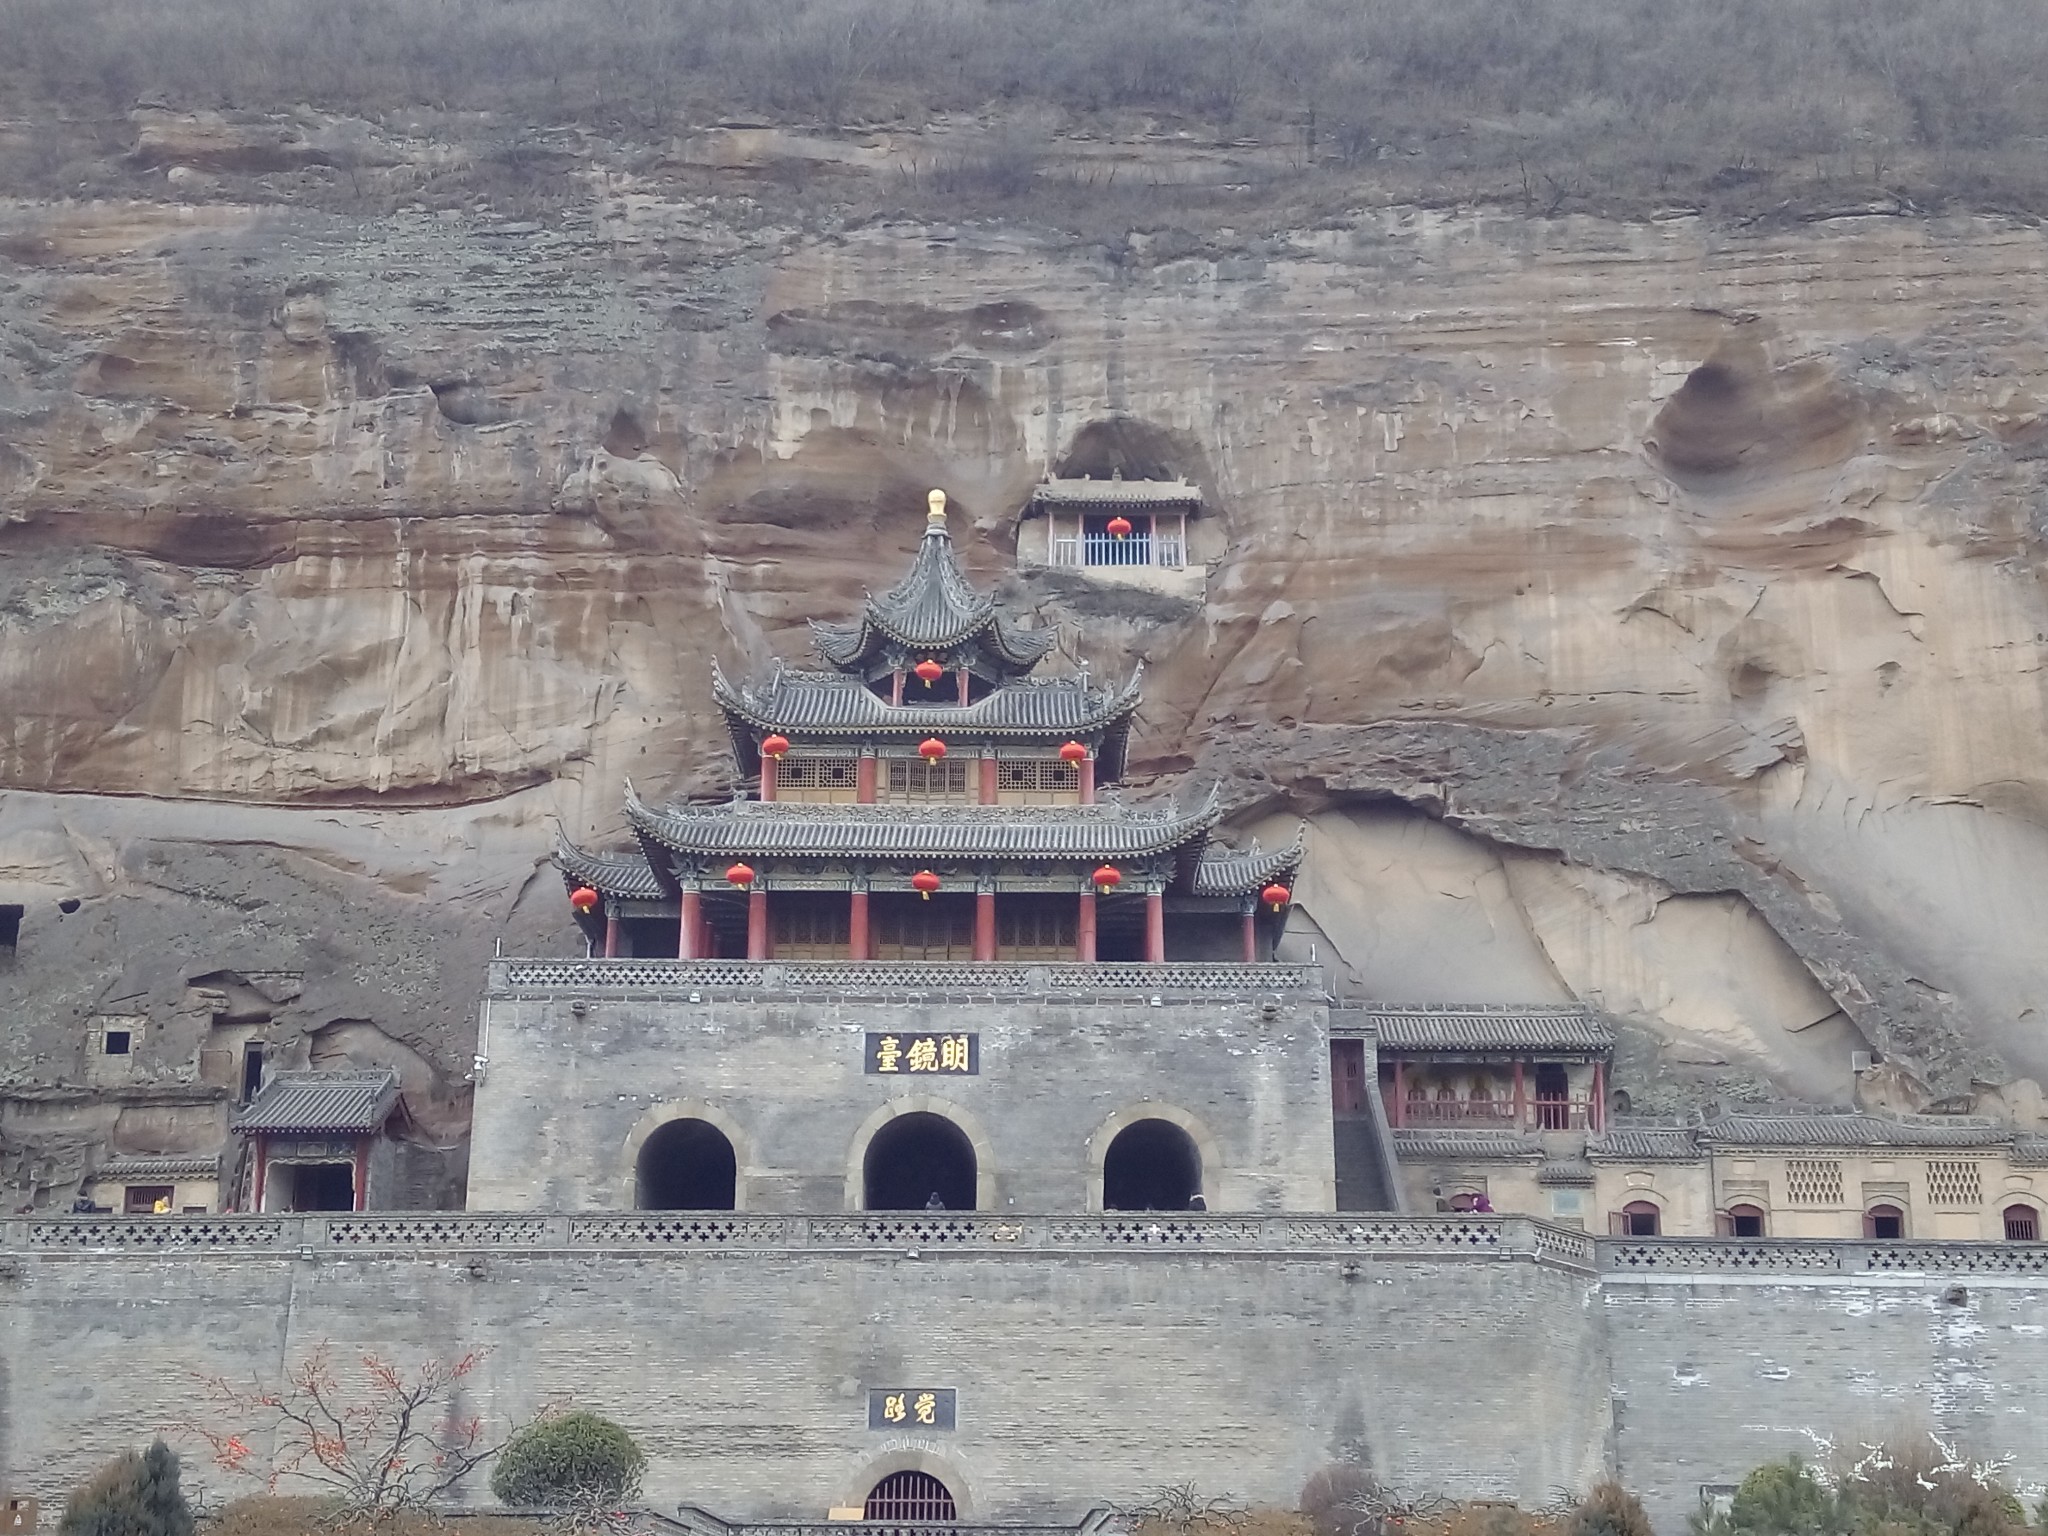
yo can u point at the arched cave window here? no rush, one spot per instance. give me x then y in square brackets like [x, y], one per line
[1152, 1165]
[919, 1162]
[910, 1496]
[1639, 1218]
[1884, 1221]
[688, 1165]
[2022, 1224]
[1745, 1221]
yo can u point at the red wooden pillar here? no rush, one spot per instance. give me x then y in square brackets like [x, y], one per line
[1084, 929]
[857, 919]
[1596, 1112]
[988, 781]
[362, 1173]
[1400, 1092]
[1251, 937]
[1155, 928]
[261, 1176]
[1088, 779]
[963, 685]
[757, 925]
[864, 779]
[984, 925]
[896, 687]
[690, 929]
[768, 767]
[611, 935]
[1519, 1109]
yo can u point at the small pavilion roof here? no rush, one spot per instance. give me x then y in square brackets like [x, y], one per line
[837, 704]
[1455, 1030]
[626, 875]
[1050, 832]
[322, 1103]
[1085, 492]
[933, 609]
[1224, 873]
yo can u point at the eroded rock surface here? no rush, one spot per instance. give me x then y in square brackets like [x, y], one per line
[1645, 614]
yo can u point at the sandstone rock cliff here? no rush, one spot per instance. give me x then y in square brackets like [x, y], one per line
[1649, 614]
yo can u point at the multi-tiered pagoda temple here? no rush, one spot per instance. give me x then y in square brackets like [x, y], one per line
[929, 799]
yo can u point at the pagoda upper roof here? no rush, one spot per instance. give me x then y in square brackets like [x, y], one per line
[932, 609]
[1053, 832]
[839, 703]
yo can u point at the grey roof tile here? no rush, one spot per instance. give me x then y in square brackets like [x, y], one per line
[1853, 1130]
[837, 703]
[1224, 873]
[625, 875]
[2030, 1151]
[159, 1168]
[320, 1102]
[1471, 1146]
[932, 609]
[1115, 493]
[1431, 1027]
[749, 827]
[1644, 1144]
[1566, 1173]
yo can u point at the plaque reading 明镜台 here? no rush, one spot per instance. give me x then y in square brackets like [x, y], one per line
[923, 1055]
[910, 1408]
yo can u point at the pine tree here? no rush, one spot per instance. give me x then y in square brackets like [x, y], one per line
[131, 1496]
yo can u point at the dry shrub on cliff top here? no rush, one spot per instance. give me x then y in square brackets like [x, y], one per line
[273, 1515]
[1549, 103]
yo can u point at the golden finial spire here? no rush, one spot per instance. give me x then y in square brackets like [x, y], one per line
[936, 518]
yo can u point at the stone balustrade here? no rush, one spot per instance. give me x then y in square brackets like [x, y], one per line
[1179, 980]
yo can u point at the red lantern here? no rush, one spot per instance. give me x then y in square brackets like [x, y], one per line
[1073, 752]
[928, 671]
[584, 899]
[1107, 879]
[931, 749]
[741, 875]
[774, 746]
[924, 882]
[1119, 527]
[1276, 896]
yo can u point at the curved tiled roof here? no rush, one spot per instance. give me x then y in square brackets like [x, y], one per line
[1223, 873]
[1116, 492]
[1540, 1027]
[837, 703]
[317, 1103]
[1477, 1146]
[610, 874]
[1853, 1130]
[1059, 832]
[932, 609]
[158, 1168]
[1644, 1144]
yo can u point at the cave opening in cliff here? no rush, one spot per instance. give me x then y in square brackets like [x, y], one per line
[1153, 1165]
[919, 1162]
[688, 1165]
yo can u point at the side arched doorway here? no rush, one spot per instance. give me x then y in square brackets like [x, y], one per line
[917, 1162]
[687, 1165]
[910, 1496]
[1152, 1165]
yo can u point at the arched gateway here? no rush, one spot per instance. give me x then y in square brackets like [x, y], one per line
[919, 1162]
[910, 1496]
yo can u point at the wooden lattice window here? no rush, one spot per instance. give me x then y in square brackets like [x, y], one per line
[1958, 1185]
[810, 925]
[913, 778]
[1813, 1183]
[817, 778]
[910, 1496]
[1035, 927]
[1030, 782]
[923, 930]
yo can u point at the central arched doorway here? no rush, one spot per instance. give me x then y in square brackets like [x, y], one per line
[910, 1496]
[919, 1162]
[687, 1165]
[1153, 1165]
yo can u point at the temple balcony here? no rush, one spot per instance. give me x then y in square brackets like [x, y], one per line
[695, 979]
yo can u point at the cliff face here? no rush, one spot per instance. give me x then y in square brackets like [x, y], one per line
[1646, 614]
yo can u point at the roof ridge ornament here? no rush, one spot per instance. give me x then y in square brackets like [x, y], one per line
[935, 518]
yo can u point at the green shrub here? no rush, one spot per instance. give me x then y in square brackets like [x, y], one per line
[131, 1496]
[1610, 1510]
[568, 1459]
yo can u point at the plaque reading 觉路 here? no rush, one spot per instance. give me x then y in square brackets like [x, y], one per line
[923, 1055]
[910, 1408]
